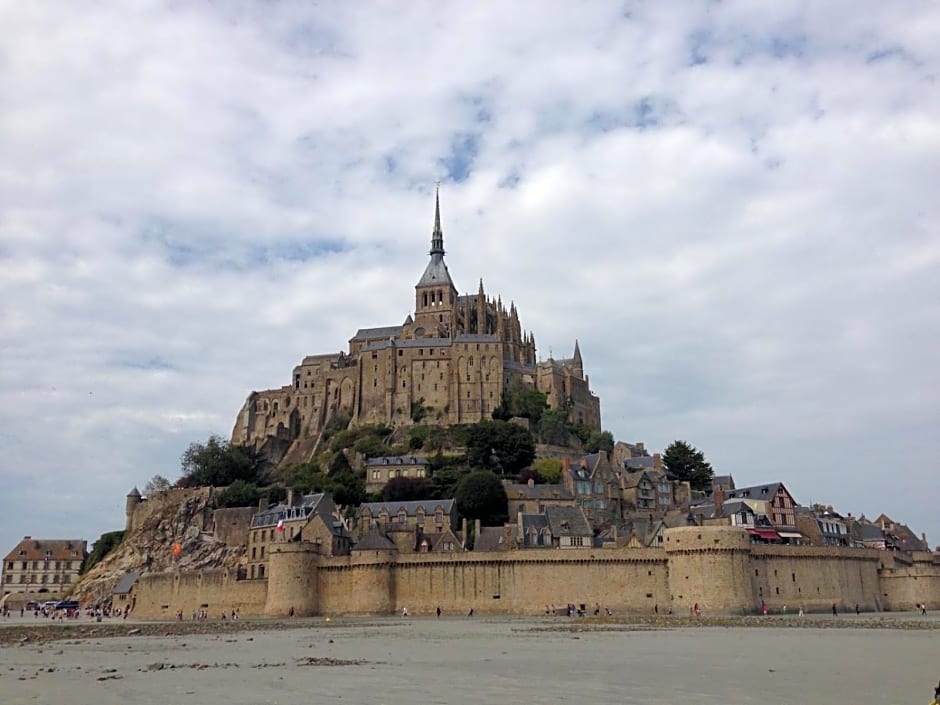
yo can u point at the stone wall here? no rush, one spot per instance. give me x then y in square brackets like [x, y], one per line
[715, 567]
[160, 595]
[231, 525]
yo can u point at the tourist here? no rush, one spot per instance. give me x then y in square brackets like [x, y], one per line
[835, 612]
[404, 611]
[923, 608]
[438, 611]
[290, 612]
[801, 610]
[857, 610]
[470, 613]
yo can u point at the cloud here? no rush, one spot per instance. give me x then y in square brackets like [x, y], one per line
[730, 205]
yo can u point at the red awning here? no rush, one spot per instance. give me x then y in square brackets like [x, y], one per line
[764, 534]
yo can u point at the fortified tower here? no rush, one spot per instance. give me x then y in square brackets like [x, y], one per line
[130, 506]
[710, 566]
[292, 580]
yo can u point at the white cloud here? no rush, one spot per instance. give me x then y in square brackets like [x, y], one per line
[731, 206]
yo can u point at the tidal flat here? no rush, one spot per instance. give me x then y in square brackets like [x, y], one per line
[487, 660]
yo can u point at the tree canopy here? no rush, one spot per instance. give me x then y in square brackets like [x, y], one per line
[499, 446]
[219, 463]
[599, 441]
[407, 488]
[480, 495]
[106, 543]
[523, 402]
[157, 483]
[685, 463]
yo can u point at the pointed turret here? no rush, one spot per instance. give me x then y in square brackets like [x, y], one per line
[435, 293]
[576, 363]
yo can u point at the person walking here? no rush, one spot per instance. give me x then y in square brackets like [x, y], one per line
[834, 610]
[438, 611]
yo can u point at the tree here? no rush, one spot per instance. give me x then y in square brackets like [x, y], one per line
[549, 469]
[523, 402]
[480, 495]
[219, 463]
[444, 482]
[684, 463]
[106, 543]
[157, 483]
[500, 446]
[347, 488]
[599, 441]
[239, 494]
[406, 488]
[553, 427]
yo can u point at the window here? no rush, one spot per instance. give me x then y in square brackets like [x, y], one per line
[261, 554]
[577, 541]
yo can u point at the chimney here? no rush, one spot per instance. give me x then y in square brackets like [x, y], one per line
[640, 447]
[565, 465]
[463, 530]
[519, 523]
[290, 496]
[531, 482]
[718, 496]
[262, 503]
[476, 529]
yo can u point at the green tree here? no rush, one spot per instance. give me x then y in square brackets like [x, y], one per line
[306, 477]
[523, 402]
[347, 488]
[106, 543]
[549, 469]
[684, 463]
[418, 410]
[219, 463]
[444, 482]
[239, 494]
[500, 446]
[553, 427]
[407, 488]
[480, 495]
[599, 441]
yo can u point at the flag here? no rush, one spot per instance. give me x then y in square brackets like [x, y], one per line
[280, 525]
[177, 549]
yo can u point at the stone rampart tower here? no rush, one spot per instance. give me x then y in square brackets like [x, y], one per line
[132, 501]
[292, 580]
[710, 566]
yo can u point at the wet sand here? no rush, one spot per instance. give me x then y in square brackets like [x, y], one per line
[483, 660]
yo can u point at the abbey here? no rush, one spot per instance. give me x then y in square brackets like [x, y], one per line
[448, 363]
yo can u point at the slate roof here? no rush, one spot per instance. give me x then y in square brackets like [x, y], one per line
[398, 460]
[640, 462]
[567, 521]
[491, 538]
[411, 507]
[380, 332]
[30, 549]
[725, 482]
[124, 585]
[524, 491]
[374, 540]
[759, 492]
[435, 273]
[272, 515]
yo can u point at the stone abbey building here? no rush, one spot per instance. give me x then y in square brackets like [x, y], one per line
[452, 359]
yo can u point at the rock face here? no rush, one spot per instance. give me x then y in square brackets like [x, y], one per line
[177, 516]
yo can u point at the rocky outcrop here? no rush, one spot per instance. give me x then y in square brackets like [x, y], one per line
[180, 517]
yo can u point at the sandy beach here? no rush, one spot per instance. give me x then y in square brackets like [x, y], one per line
[878, 660]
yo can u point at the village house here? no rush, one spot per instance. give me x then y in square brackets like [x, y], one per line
[822, 526]
[43, 565]
[557, 527]
[314, 514]
[595, 487]
[774, 501]
[530, 498]
[418, 525]
[380, 470]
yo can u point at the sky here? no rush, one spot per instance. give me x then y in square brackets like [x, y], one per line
[731, 205]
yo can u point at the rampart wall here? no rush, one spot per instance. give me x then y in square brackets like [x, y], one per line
[714, 567]
[160, 595]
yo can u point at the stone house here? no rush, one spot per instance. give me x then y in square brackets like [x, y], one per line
[286, 521]
[774, 501]
[595, 487]
[43, 565]
[639, 491]
[430, 516]
[822, 526]
[530, 498]
[380, 470]
[558, 527]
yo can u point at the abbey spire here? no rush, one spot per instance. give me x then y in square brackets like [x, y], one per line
[437, 235]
